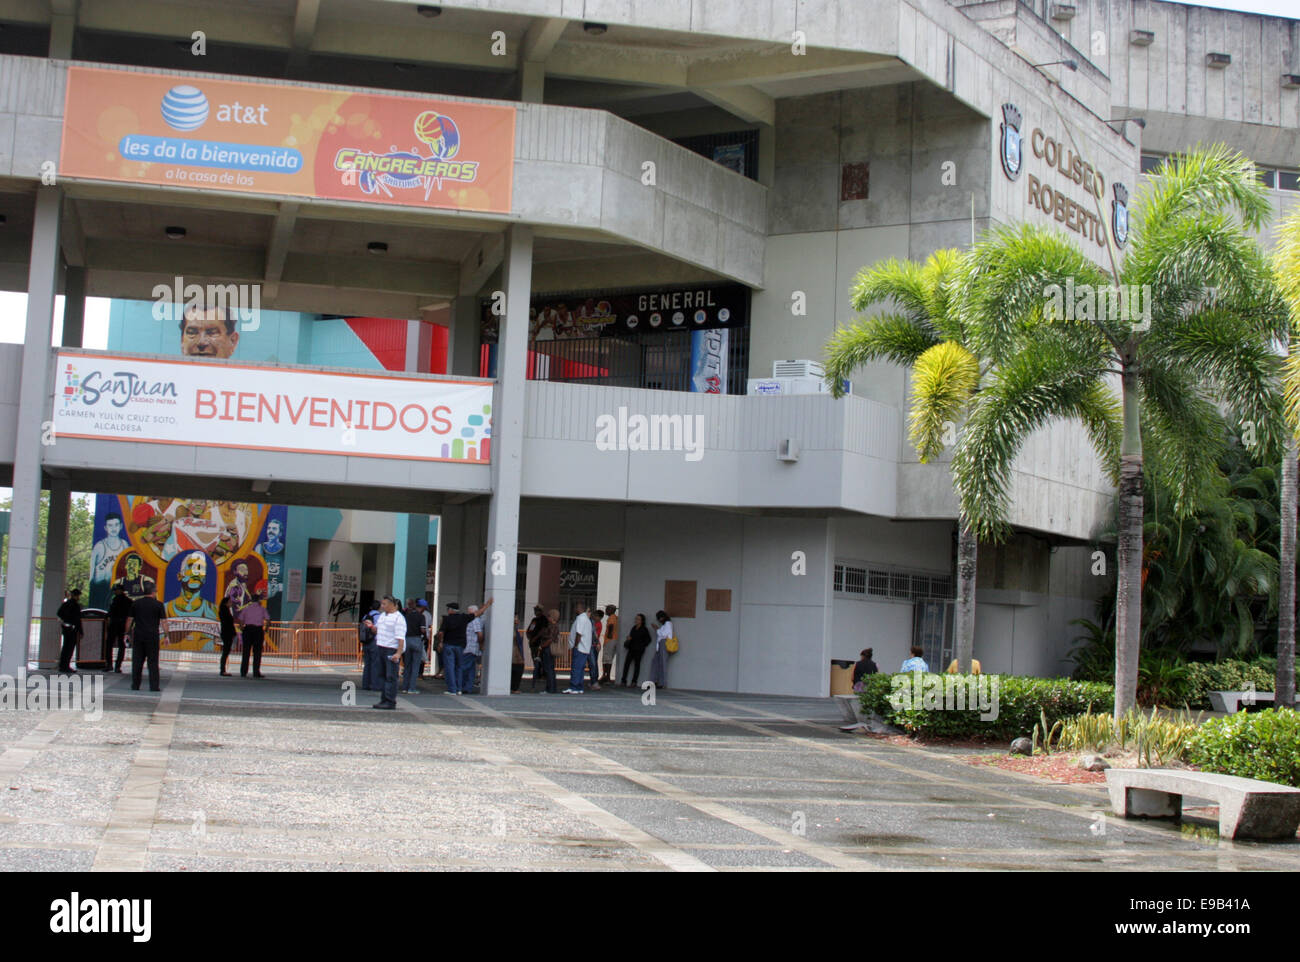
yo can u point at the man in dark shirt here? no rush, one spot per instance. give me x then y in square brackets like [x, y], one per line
[70, 616]
[864, 667]
[119, 610]
[147, 616]
[452, 635]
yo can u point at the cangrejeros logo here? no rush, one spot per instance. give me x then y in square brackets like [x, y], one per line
[120, 388]
[185, 108]
[412, 169]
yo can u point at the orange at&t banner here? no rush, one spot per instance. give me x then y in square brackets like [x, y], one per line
[142, 128]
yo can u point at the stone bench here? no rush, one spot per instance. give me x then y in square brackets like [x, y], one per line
[1231, 701]
[1248, 808]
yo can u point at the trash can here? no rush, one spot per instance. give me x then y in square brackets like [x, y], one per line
[841, 677]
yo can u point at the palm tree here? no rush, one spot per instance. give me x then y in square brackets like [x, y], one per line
[924, 333]
[1286, 262]
[1201, 334]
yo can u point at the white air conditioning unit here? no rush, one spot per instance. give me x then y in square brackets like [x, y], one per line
[798, 369]
[787, 450]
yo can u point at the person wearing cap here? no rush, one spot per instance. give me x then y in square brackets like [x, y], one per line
[451, 645]
[473, 648]
[390, 638]
[118, 611]
[70, 617]
[413, 656]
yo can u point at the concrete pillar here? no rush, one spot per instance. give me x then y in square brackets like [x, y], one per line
[767, 155]
[56, 547]
[532, 82]
[74, 307]
[507, 459]
[33, 391]
[410, 555]
[463, 337]
[62, 26]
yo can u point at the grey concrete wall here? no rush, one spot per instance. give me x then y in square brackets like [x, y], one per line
[1184, 100]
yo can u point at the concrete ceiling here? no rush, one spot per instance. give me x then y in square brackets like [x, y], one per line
[387, 43]
[307, 257]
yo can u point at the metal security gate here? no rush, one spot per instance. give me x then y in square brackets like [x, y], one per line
[932, 629]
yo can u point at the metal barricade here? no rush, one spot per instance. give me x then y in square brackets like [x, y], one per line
[327, 645]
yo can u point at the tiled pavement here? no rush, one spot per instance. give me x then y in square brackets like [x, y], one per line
[281, 774]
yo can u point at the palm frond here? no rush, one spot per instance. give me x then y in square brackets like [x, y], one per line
[943, 381]
[890, 337]
[1200, 182]
[1044, 381]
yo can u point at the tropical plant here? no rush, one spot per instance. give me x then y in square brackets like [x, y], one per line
[1250, 744]
[921, 331]
[1204, 338]
[1286, 263]
[1156, 738]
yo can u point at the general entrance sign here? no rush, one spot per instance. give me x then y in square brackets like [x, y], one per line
[105, 396]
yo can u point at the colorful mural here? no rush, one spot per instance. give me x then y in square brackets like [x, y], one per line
[189, 553]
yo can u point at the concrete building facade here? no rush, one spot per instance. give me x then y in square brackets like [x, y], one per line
[675, 148]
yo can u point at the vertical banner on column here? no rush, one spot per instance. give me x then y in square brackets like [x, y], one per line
[709, 361]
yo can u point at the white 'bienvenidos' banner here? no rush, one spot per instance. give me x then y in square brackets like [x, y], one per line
[105, 396]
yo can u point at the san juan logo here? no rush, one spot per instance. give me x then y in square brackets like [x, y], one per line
[1012, 145]
[1119, 220]
[412, 169]
[71, 384]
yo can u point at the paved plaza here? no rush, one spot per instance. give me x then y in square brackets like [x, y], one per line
[231, 774]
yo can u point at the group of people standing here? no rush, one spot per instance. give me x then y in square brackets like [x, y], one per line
[139, 619]
[396, 642]
[592, 642]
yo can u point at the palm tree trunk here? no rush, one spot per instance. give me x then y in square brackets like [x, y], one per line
[1284, 690]
[964, 628]
[1128, 608]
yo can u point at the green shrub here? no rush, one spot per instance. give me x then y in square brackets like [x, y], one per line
[1021, 704]
[1204, 677]
[1263, 745]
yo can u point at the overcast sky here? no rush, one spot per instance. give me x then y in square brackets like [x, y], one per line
[1275, 8]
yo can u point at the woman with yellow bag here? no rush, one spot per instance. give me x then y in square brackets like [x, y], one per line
[665, 645]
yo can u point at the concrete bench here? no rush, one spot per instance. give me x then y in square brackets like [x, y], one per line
[1248, 808]
[1231, 701]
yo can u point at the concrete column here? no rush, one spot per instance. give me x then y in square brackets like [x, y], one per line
[507, 459]
[56, 547]
[62, 26]
[33, 391]
[532, 82]
[463, 337]
[74, 307]
[767, 155]
[410, 554]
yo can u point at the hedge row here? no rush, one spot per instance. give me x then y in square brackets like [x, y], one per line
[926, 704]
[1263, 745]
[1204, 677]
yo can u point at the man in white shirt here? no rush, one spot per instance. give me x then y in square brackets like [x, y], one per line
[580, 642]
[390, 642]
